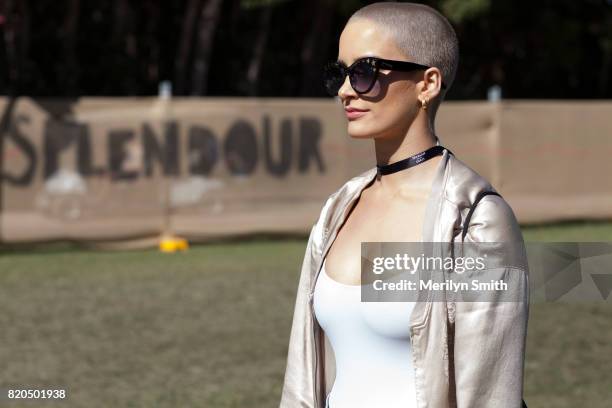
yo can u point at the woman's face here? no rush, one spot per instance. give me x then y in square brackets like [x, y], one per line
[392, 102]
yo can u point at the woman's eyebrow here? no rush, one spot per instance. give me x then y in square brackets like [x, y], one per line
[358, 58]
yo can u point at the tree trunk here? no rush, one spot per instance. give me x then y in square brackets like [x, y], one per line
[186, 44]
[207, 25]
[314, 50]
[259, 50]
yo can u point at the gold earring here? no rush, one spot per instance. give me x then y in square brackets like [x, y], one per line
[424, 104]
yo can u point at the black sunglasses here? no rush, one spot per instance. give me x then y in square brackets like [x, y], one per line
[363, 73]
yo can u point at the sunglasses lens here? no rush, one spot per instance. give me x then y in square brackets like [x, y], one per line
[333, 77]
[362, 76]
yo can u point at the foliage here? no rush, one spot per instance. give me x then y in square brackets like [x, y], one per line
[545, 49]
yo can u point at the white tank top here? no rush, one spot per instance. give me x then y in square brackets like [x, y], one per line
[371, 344]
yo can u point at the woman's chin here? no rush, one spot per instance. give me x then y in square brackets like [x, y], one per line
[357, 131]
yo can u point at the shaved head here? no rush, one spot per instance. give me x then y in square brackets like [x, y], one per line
[421, 33]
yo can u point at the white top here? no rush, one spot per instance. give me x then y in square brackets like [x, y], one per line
[371, 343]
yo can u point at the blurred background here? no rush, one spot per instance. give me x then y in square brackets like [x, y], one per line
[162, 162]
[275, 48]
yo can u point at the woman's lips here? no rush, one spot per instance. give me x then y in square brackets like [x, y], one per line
[354, 114]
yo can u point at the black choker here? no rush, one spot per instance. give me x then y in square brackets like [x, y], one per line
[411, 161]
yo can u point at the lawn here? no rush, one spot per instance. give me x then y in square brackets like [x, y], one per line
[210, 327]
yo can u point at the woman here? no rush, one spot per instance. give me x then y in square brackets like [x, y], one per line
[396, 62]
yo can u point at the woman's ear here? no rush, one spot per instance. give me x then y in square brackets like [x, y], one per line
[431, 85]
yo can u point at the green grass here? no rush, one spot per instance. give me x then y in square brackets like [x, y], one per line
[210, 327]
[576, 231]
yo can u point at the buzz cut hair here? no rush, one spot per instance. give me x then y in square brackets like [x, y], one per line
[421, 33]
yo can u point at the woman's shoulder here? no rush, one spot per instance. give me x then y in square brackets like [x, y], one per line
[492, 217]
[464, 183]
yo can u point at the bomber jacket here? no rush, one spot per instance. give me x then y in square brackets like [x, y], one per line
[465, 354]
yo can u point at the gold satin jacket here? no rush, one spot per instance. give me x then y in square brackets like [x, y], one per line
[465, 354]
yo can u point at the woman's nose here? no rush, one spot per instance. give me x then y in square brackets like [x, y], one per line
[346, 89]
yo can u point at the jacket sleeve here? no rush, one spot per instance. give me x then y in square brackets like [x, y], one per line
[489, 336]
[298, 384]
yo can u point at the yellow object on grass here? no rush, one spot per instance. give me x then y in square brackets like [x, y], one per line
[173, 244]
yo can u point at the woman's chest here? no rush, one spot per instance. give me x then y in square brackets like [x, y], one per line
[401, 221]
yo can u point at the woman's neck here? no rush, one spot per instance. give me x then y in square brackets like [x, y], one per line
[391, 150]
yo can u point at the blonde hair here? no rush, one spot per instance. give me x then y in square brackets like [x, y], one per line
[423, 34]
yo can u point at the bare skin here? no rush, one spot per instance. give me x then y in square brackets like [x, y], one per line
[392, 207]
